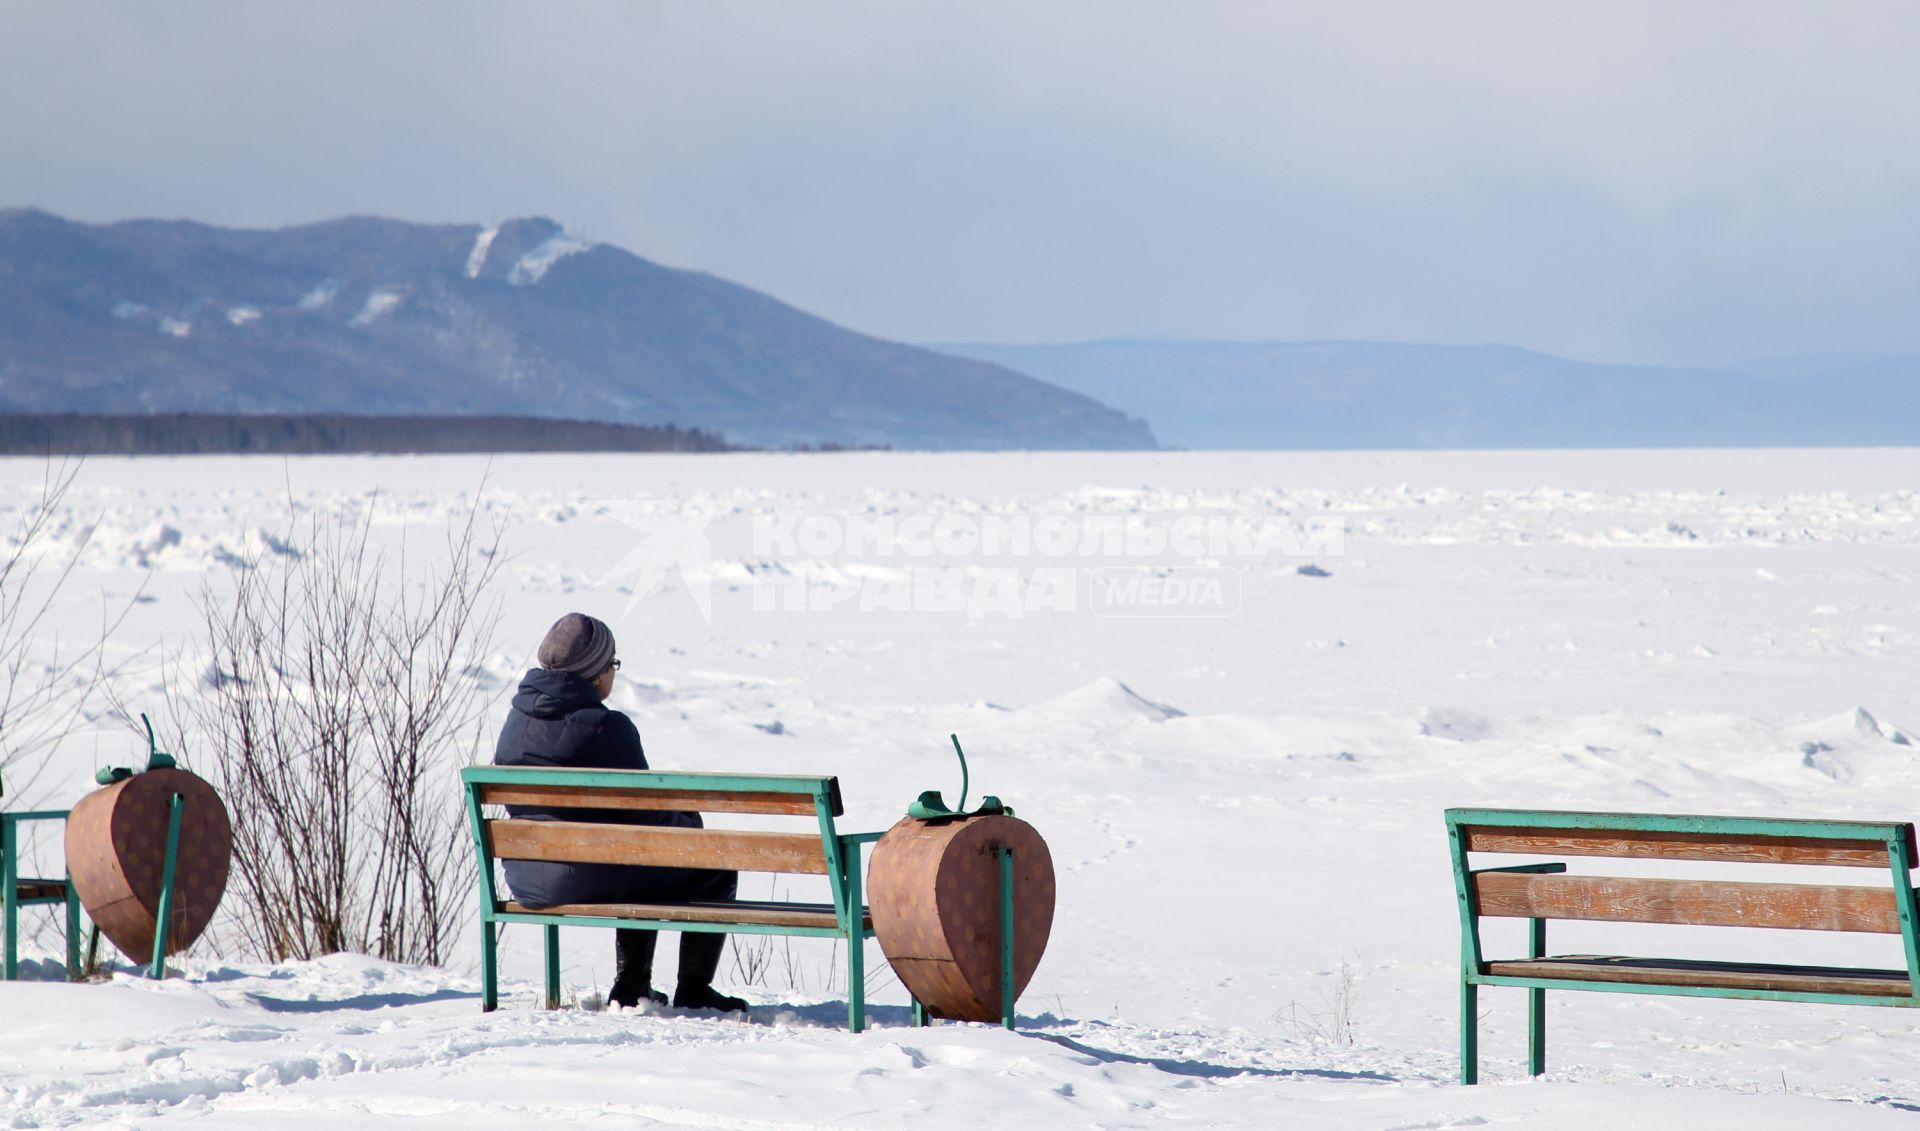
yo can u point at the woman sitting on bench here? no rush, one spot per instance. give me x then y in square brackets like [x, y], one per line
[560, 719]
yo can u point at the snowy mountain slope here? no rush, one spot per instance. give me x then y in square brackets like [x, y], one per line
[367, 315]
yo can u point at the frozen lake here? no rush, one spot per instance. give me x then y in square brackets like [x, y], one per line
[1242, 795]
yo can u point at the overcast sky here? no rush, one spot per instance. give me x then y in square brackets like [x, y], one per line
[1695, 181]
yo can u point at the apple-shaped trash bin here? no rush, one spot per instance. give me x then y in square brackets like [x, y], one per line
[147, 849]
[962, 904]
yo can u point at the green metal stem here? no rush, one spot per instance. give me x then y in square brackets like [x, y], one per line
[962, 807]
[163, 918]
[1006, 936]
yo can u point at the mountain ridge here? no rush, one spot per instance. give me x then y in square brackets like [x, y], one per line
[371, 315]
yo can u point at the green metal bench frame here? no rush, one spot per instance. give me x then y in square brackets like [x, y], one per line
[1896, 837]
[13, 898]
[842, 852]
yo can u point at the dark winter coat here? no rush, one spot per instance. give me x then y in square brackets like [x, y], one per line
[557, 719]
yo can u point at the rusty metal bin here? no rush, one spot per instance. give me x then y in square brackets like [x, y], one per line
[149, 847]
[962, 905]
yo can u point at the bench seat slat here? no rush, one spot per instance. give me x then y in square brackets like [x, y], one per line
[1719, 975]
[585, 842]
[677, 800]
[1667, 845]
[742, 912]
[40, 889]
[1808, 907]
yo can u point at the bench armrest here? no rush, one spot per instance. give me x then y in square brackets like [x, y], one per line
[860, 838]
[36, 815]
[1536, 869]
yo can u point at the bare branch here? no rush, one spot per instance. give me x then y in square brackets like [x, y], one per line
[339, 695]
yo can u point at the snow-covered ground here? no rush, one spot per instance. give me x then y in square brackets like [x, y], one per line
[1255, 924]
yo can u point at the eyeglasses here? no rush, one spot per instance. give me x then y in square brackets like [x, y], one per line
[615, 666]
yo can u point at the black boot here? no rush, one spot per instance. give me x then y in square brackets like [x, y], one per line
[699, 962]
[633, 969]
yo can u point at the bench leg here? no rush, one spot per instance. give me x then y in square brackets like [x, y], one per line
[856, 943]
[9, 902]
[74, 972]
[1537, 1005]
[553, 966]
[920, 1018]
[856, 980]
[1469, 1032]
[1536, 1032]
[489, 966]
[10, 967]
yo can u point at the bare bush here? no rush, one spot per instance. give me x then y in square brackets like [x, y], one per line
[770, 962]
[339, 695]
[1332, 1021]
[46, 684]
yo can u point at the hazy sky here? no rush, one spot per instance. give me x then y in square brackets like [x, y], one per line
[1688, 181]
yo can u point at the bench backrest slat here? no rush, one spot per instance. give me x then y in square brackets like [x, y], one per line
[1729, 828]
[1809, 907]
[1644, 843]
[667, 847]
[807, 792]
[676, 800]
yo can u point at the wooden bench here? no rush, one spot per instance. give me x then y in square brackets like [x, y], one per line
[822, 851]
[17, 891]
[1538, 892]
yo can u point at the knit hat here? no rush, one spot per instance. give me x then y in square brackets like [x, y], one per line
[579, 644]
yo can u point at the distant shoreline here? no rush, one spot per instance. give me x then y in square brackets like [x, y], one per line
[183, 434]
